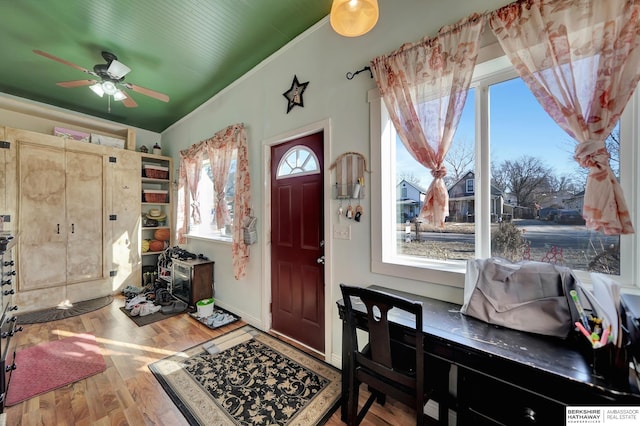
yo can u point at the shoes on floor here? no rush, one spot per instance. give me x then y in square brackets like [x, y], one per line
[219, 319]
[135, 310]
[134, 301]
[173, 307]
[148, 309]
[130, 289]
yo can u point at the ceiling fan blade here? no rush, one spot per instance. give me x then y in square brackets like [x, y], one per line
[76, 83]
[62, 61]
[148, 92]
[128, 100]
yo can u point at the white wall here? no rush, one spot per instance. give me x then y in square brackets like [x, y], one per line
[42, 118]
[322, 58]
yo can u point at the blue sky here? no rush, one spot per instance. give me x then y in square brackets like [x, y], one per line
[519, 126]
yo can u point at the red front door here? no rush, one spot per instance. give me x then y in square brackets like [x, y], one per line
[297, 232]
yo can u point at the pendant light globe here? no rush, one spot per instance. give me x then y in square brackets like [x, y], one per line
[353, 18]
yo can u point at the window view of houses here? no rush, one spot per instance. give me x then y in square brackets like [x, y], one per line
[536, 191]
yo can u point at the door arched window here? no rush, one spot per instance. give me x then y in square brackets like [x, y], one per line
[298, 161]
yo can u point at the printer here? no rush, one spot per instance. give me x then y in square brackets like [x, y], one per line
[630, 317]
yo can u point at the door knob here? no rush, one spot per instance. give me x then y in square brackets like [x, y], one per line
[320, 260]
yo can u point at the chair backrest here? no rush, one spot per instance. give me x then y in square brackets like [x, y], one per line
[379, 357]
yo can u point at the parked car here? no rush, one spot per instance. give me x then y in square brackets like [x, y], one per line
[548, 214]
[569, 217]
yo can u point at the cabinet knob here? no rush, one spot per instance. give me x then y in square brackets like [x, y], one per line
[10, 367]
[7, 282]
[8, 292]
[9, 263]
[13, 308]
[10, 273]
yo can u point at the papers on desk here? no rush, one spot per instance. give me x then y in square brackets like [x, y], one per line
[605, 301]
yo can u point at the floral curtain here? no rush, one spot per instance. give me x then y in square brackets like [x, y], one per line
[424, 87]
[188, 179]
[582, 62]
[219, 149]
[220, 159]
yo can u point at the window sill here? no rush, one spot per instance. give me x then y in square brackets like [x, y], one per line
[213, 239]
[444, 273]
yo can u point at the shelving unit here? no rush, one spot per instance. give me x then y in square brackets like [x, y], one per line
[8, 320]
[154, 200]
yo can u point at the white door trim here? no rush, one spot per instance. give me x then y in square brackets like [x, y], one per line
[319, 126]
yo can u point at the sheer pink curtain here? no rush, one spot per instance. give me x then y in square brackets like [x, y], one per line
[220, 155]
[581, 61]
[221, 148]
[242, 203]
[189, 177]
[424, 86]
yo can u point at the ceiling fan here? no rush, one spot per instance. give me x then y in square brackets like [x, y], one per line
[111, 80]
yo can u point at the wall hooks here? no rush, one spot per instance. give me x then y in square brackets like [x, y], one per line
[350, 74]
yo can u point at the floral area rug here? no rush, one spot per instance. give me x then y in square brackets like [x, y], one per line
[247, 377]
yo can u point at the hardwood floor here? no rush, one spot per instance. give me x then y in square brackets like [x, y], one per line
[126, 393]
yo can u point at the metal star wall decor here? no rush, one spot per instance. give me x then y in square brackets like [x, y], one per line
[294, 95]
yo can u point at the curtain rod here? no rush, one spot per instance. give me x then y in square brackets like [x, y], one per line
[350, 74]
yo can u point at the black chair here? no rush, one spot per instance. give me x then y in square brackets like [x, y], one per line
[390, 366]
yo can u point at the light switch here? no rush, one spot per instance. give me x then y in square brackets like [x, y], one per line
[341, 232]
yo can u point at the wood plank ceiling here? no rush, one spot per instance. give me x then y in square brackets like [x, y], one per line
[187, 49]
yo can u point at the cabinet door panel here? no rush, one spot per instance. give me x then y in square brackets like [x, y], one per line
[125, 204]
[42, 252]
[84, 200]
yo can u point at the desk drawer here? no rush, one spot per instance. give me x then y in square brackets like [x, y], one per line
[497, 402]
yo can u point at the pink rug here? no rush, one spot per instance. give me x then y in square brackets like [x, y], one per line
[51, 365]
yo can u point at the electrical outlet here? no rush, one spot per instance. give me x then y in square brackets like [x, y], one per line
[342, 232]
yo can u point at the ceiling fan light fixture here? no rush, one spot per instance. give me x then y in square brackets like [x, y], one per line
[109, 87]
[353, 18]
[119, 96]
[117, 70]
[97, 89]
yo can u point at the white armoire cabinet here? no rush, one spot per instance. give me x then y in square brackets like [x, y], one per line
[60, 210]
[78, 216]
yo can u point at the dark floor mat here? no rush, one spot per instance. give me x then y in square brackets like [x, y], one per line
[56, 313]
[149, 319]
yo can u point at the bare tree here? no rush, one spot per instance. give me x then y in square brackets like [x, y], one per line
[459, 161]
[563, 184]
[410, 177]
[613, 147]
[522, 177]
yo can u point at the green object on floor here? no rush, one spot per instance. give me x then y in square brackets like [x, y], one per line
[205, 307]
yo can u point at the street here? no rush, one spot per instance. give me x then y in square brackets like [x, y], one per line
[540, 235]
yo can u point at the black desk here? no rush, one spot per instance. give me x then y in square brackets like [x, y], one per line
[497, 366]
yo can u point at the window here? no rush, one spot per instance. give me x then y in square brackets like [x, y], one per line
[208, 227]
[514, 189]
[470, 186]
[298, 161]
